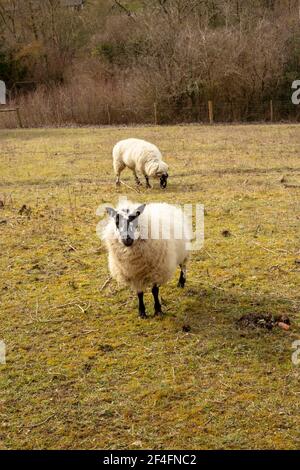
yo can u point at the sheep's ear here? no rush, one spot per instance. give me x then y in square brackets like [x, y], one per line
[137, 212]
[111, 212]
[140, 210]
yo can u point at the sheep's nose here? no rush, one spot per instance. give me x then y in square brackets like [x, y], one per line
[127, 241]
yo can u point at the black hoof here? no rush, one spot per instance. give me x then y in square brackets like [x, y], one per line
[143, 315]
[158, 313]
[180, 284]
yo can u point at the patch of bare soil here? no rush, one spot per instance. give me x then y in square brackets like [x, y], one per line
[265, 320]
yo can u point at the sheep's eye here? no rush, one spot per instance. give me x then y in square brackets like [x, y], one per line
[117, 220]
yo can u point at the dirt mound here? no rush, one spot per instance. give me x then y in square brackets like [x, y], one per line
[268, 321]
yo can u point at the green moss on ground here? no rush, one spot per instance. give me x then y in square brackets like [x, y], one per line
[82, 370]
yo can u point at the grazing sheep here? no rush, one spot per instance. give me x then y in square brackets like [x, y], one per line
[145, 245]
[141, 157]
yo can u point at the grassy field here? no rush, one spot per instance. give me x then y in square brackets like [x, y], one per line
[83, 371]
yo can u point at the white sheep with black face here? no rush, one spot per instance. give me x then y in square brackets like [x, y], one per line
[145, 245]
[141, 157]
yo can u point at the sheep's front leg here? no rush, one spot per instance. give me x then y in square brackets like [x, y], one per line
[137, 180]
[147, 182]
[142, 309]
[182, 277]
[157, 304]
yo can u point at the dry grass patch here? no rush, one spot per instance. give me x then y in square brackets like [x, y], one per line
[82, 370]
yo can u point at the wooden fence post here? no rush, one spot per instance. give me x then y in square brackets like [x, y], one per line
[271, 111]
[108, 114]
[19, 117]
[210, 112]
[13, 110]
[155, 112]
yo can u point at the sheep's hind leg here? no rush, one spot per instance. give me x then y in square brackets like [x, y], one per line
[142, 309]
[157, 304]
[118, 180]
[118, 170]
[182, 277]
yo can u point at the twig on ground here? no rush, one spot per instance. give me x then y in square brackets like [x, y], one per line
[268, 249]
[105, 283]
[83, 310]
[82, 263]
[35, 425]
[87, 332]
[130, 187]
[292, 185]
[207, 252]
[54, 320]
[217, 287]
[208, 421]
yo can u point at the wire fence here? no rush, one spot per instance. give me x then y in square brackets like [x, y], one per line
[210, 112]
[70, 112]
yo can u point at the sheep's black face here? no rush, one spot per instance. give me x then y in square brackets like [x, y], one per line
[126, 223]
[126, 227]
[163, 181]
